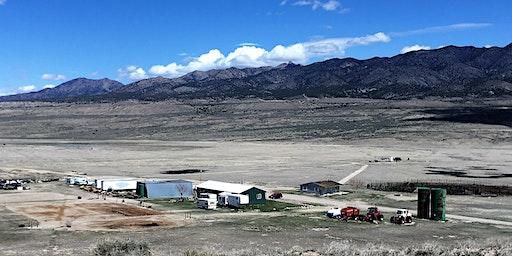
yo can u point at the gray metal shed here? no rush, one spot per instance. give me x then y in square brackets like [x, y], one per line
[165, 189]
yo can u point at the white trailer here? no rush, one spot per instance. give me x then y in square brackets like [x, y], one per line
[237, 200]
[98, 183]
[77, 181]
[222, 198]
[117, 184]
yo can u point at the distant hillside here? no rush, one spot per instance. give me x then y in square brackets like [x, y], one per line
[446, 72]
[76, 88]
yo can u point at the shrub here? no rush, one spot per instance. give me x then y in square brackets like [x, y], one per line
[121, 248]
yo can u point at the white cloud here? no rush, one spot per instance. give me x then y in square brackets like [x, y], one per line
[248, 44]
[488, 46]
[415, 47]
[26, 88]
[2, 2]
[253, 56]
[49, 86]
[439, 29]
[54, 77]
[329, 5]
[133, 73]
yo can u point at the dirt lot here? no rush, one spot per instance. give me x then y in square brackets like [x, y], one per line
[275, 144]
[65, 212]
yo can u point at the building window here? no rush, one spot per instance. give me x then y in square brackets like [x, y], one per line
[259, 196]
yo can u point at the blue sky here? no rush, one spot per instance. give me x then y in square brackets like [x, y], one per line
[44, 43]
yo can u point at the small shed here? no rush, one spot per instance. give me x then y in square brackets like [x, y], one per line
[321, 187]
[256, 195]
[165, 189]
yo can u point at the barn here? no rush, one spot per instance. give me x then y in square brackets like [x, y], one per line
[321, 187]
[160, 189]
[256, 195]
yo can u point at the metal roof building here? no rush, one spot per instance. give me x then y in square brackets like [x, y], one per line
[321, 187]
[256, 195]
[165, 189]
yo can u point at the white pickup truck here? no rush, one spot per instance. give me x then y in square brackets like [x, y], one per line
[207, 201]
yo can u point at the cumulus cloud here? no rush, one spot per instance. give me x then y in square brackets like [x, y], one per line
[54, 77]
[415, 47]
[329, 5]
[133, 73]
[254, 56]
[49, 86]
[26, 88]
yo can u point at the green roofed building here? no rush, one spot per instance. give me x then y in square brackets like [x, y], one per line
[256, 195]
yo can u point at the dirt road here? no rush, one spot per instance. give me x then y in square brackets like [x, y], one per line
[352, 175]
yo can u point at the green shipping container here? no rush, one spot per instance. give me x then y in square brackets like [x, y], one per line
[423, 203]
[438, 204]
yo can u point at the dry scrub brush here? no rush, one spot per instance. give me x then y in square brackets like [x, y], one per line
[348, 248]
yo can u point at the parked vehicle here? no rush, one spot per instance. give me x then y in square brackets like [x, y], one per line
[401, 216]
[237, 200]
[334, 213]
[276, 195]
[350, 213]
[222, 199]
[347, 213]
[208, 196]
[373, 214]
[207, 203]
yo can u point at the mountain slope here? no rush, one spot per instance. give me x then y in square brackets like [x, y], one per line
[79, 87]
[447, 72]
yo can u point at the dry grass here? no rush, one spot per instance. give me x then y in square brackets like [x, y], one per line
[348, 248]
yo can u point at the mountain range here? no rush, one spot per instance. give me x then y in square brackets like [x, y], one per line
[445, 72]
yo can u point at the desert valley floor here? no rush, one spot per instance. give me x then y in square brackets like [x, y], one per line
[276, 145]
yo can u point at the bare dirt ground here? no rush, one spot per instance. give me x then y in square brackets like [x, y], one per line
[275, 144]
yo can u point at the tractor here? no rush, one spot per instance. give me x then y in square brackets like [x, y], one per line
[401, 216]
[373, 214]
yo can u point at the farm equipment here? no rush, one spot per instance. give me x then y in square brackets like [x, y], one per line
[401, 216]
[353, 213]
[350, 213]
[373, 214]
[334, 213]
[347, 213]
